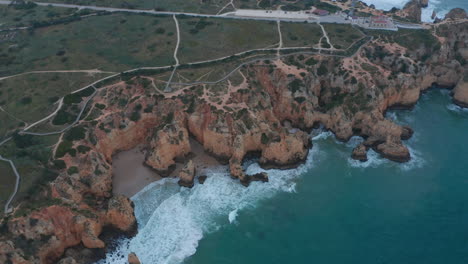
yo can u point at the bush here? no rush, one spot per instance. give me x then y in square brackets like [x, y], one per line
[26, 100]
[322, 70]
[135, 116]
[83, 149]
[100, 106]
[265, 139]
[23, 141]
[59, 164]
[64, 148]
[76, 133]
[62, 118]
[72, 170]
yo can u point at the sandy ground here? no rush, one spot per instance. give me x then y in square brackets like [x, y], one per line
[131, 175]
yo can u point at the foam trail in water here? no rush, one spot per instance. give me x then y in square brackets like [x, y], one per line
[173, 219]
[232, 216]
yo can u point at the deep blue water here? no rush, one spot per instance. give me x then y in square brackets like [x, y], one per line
[385, 213]
[331, 210]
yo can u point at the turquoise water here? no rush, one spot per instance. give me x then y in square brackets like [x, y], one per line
[331, 210]
[382, 214]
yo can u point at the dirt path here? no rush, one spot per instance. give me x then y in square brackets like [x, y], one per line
[168, 84]
[60, 103]
[325, 35]
[231, 3]
[280, 45]
[7, 208]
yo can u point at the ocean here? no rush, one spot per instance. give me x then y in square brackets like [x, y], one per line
[330, 210]
[441, 7]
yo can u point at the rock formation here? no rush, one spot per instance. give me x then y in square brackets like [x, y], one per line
[456, 13]
[187, 175]
[133, 259]
[360, 153]
[346, 95]
[460, 94]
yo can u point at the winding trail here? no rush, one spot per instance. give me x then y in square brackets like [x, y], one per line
[168, 88]
[325, 35]
[60, 103]
[7, 208]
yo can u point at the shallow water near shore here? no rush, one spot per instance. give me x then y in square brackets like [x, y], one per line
[441, 7]
[329, 210]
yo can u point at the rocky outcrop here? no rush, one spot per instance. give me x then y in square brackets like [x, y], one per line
[266, 116]
[133, 259]
[167, 144]
[460, 94]
[187, 175]
[456, 13]
[394, 150]
[360, 153]
[412, 10]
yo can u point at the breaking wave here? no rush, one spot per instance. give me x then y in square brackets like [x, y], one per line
[173, 219]
[441, 8]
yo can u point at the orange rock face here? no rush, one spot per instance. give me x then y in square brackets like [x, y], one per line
[267, 116]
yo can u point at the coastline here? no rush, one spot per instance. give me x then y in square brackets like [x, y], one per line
[131, 175]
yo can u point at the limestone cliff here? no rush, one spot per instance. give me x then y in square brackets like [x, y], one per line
[265, 114]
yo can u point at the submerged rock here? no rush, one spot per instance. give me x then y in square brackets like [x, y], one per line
[360, 153]
[202, 179]
[133, 259]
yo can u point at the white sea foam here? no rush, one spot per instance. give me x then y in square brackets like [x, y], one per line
[173, 220]
[457, 109]
[437, 6]
[232, 216]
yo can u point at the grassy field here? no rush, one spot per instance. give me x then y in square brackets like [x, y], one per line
[32, 97]
[11, 17]
[30, 161]
[112, 42]
[300, 34]
[341, 35]
[204, 39]
[207, 7]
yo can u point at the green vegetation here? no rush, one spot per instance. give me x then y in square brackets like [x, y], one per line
[32, 164]
[12, 16]
[300, 34]
[72, 170]
[204, 39]
[408, 38]
[342, 35]
[31, 97]
[113, 42]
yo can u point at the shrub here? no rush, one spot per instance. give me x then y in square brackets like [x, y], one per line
[83, 149]
[26, 100]
[265, 139]
[72, 170]
[64, 148]
[100, 106]
[59, 164]
[76, 133]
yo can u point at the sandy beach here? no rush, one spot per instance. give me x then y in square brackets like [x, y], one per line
[131, 175]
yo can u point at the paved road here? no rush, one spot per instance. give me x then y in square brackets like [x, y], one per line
[239, 14]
